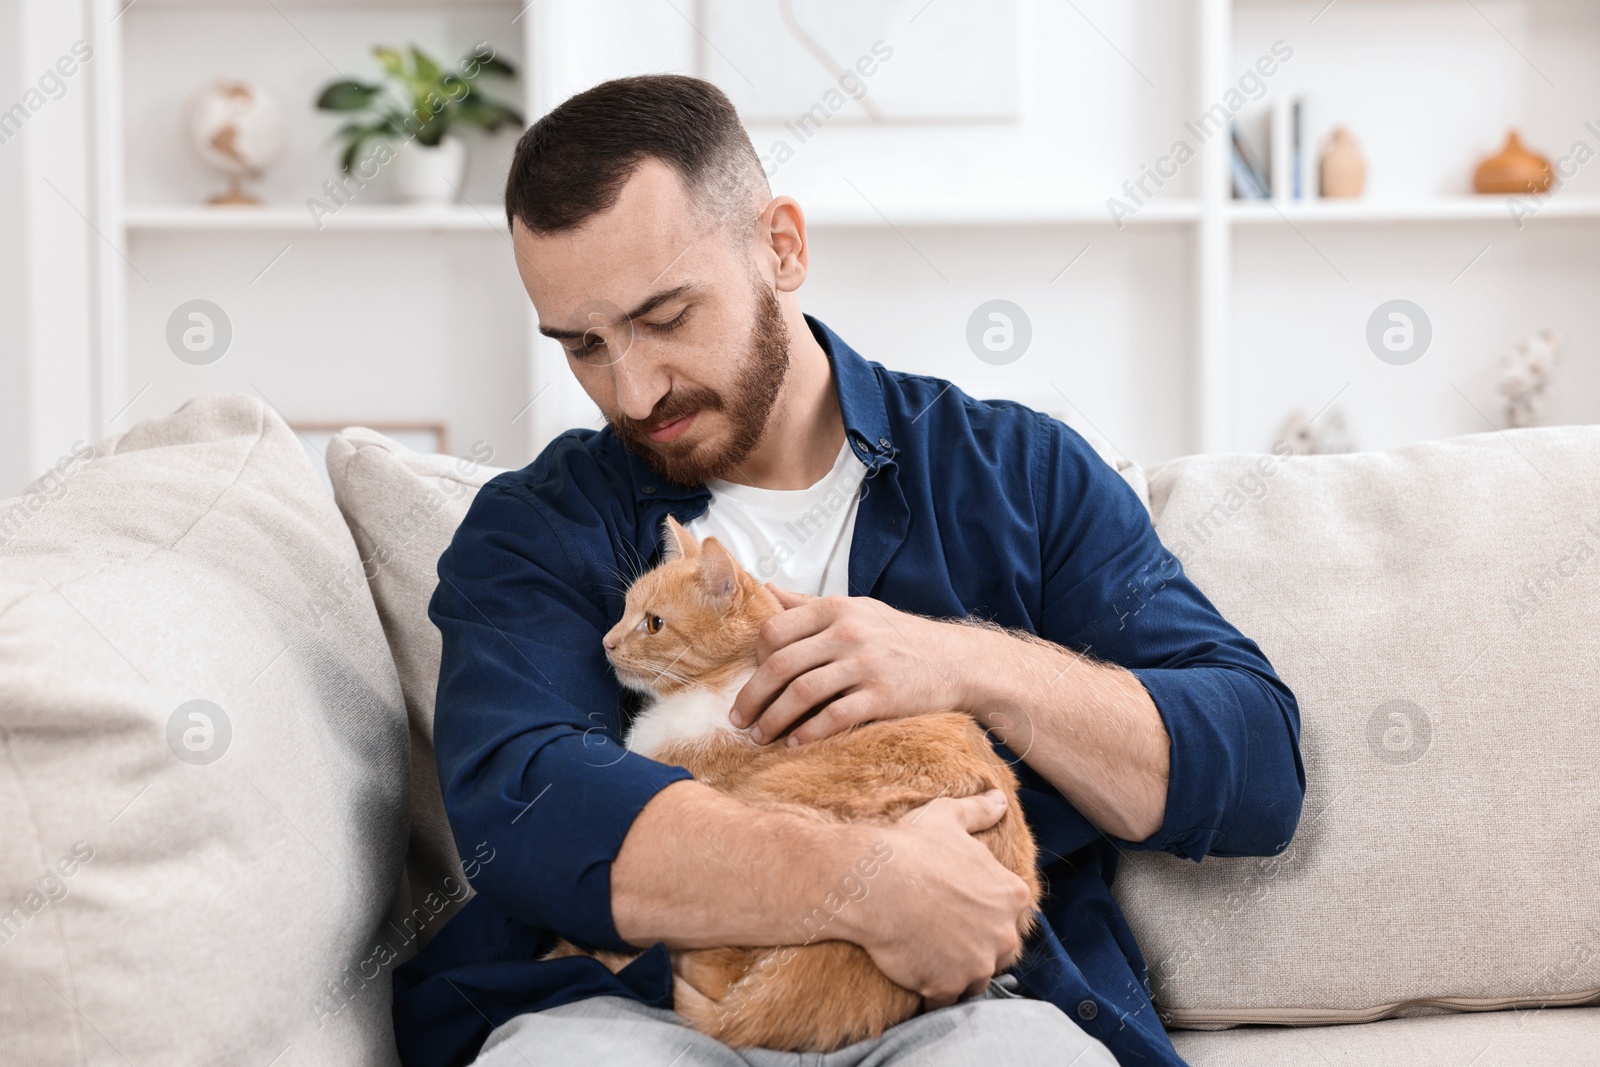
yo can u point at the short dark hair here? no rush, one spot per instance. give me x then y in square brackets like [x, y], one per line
[573, 163]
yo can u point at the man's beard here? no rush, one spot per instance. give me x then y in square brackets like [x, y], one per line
[747, 407]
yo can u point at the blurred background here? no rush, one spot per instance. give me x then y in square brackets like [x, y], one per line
[1178, 225]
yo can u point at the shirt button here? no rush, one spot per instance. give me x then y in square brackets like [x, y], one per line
[649, 488]
[883, 443]
[1087, 1009]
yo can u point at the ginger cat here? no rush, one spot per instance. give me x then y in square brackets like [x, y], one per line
[687, 638]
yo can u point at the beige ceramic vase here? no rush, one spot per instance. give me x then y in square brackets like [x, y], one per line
[1344, 172]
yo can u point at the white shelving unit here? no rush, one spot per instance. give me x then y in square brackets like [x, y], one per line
[399, 217]
[1490, 209]
[400, 268]
[396, 218]
[1194, 326]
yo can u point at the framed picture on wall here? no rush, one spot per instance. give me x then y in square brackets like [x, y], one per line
[796, 61]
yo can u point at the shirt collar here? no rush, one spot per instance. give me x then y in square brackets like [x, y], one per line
[866, 419]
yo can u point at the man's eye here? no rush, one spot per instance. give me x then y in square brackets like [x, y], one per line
[668, 327]
[590, 344]
[653, 623]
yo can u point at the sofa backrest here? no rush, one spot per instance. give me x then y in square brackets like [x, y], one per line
[1436, 610]
[402, 508]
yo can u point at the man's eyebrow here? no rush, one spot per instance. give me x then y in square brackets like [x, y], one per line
[648, 305]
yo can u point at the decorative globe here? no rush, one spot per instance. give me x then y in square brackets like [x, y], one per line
[237, 130]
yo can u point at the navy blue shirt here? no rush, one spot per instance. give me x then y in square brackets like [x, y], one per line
[970, 507]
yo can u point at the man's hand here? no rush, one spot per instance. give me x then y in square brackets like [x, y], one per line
[853, 659]
[941, 916]
[1089, 728]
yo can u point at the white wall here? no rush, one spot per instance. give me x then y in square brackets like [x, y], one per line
[13, 378]
[344, 326]
[1111, 338]
[48, 251]
[1115, 334]
[1089, 116]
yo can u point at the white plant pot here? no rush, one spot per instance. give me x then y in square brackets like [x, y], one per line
[431, 176]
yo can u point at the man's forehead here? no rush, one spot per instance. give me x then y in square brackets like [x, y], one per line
[642, 243]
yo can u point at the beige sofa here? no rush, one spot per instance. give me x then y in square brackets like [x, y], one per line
[222, 829]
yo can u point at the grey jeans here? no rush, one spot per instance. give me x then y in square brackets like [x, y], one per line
[998, 1027]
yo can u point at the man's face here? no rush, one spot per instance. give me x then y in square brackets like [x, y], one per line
[668, 324]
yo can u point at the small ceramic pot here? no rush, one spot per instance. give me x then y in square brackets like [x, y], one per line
[430, 175]
[1344, 172]
[1514, 172]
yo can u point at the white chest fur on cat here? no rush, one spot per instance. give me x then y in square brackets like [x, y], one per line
[684, 716]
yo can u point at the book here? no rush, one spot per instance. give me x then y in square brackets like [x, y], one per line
[1280, 151]
[1257, 181]
[1298, 147]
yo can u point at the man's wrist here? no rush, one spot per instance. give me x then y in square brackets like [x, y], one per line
[972, 657]
[781, 877]
[953, 645]
[996, 671]
[850, 858]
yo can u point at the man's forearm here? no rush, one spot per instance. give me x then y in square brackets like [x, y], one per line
[700, 869]
[1089, 728]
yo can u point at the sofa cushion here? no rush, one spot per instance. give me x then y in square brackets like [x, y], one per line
[402, 508]
[1552, 1037]
[202, 758]
[1436, 609]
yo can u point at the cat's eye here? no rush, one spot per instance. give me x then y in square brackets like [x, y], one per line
[652, 624]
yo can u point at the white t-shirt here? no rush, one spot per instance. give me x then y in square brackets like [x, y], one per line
[798, 539]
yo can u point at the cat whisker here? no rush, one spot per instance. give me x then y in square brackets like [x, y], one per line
[619, 576]
[636, 562]
[632, 559]
[669, 674]
[673, 676]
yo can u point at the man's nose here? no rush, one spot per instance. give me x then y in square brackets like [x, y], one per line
[635, 389]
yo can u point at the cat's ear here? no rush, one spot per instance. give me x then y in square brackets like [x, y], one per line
[719, 573]
[679, 542]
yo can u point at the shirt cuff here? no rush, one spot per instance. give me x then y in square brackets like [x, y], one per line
[562, 827]
[1208, 760]
[610, 803]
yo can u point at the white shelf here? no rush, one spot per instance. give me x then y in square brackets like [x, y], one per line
[1092, 213]
[487, 218]
[151, 218]
[1444, 209]
[282, 217]
[320, 4]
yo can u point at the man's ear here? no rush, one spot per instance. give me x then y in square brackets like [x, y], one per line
[783, 225]
[679, 542]
[719, 573]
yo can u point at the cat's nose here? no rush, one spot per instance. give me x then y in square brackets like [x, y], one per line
[609, 643]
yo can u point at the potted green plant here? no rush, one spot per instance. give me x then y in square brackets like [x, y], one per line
[419, 104]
